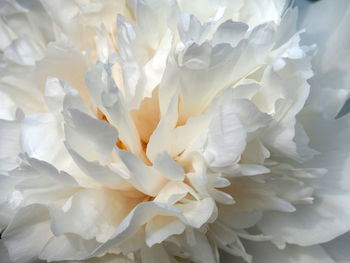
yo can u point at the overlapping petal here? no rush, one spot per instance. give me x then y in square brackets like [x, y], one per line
[166, 131]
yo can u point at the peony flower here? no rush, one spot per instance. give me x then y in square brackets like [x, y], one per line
[174, 131]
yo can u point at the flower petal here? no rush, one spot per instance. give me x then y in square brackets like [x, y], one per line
[93, 139]
[154, 254]
[168, 167]
[160, 228]
[65, 62]
[144, 178]
[141, 214]
[328, 217]
[172, 192]
[226, 139]
[30, 223]
[91, 214]
[331, 63]
[9, 138]
[265, 252]
[101, 174]
[4, 253]
[338, 249]
[67, 247]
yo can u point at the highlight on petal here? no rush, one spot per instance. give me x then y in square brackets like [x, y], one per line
[226, 139]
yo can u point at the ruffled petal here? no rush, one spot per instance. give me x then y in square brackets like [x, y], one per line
[328, 216]
[141, 214]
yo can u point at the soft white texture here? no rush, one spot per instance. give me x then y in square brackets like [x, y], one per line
[166, 131]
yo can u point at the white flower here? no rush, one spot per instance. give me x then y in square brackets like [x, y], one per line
[169, 130]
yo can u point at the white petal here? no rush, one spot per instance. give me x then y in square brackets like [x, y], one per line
[204, 12]
[255, 196]
[245, 89]
[226, 139]
[321, 221]
[230, 32]
[102, 174]
[118, 115]
[160, 228]
[7, 107]
[4, 253]
[147, 116]
[42, 138]
[156, 253]
[60, 96]
[199, 178]
[329, 216]
[109, 258]
[221, 197]
[161, 137]
[204, 71]
[173, 192]
[144, 178]
[96, 82]
[258, 12]
[30, 223]
[238, 220]
[202, 251]
[41, 183]
[9, 138]
[255, 152]
[10, 199]
[330, 86]
[23, 51]
[338, 249]
[155, 67]
[92, 214]
[47, 169]
[264, 252]
[141, 214]
[249, 115]
[6, 35]
[168, 167]
[184, 138]
[251, 118]
[198, 212]
[72, 98]
[93, 139]
[67, 247]
[20, 85]
[65, 62]
[190, 29]
[294, 254]
[289, 91]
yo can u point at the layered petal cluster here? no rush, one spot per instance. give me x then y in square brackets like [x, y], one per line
[168, 130]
